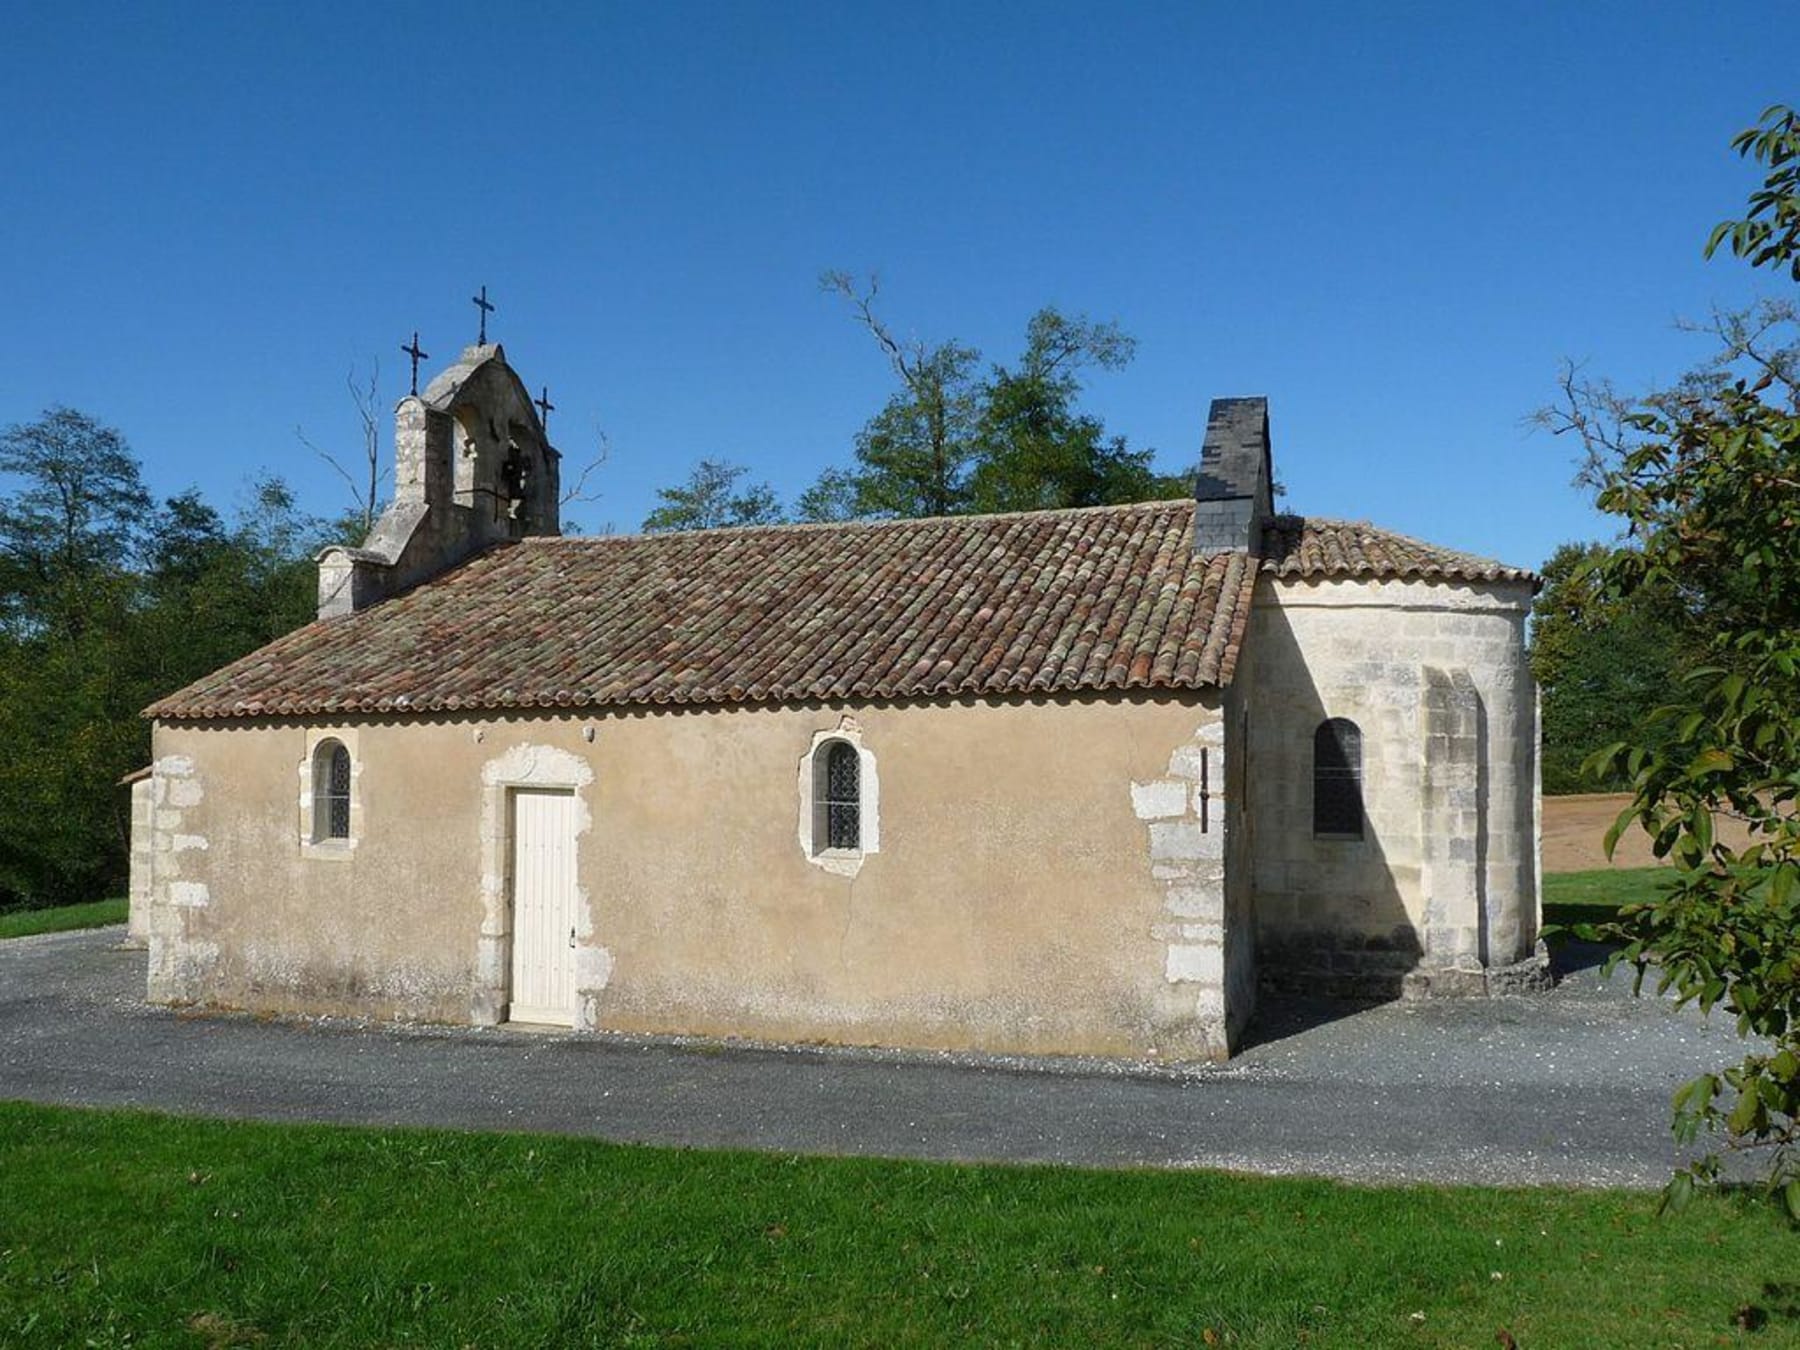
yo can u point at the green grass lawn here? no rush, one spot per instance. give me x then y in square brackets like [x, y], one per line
[94, 914]
[1594, 897]
[124, 1228]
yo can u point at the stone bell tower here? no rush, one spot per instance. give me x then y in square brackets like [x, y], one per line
[472, 468]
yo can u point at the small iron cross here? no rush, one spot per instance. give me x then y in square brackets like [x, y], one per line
[417, 356]
[546, 407]
[481, 303]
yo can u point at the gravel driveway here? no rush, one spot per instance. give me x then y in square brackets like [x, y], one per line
[1570, 1087]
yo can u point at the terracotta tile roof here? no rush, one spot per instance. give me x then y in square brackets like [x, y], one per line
[1312, 547]
[1102, 598]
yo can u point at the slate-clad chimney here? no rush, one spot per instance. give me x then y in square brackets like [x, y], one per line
[1232, 492]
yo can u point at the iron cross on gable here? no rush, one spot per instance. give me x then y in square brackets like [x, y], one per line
[417, 356]
[481, 303]
[545, 407]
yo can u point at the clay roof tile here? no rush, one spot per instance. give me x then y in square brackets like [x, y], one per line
[1096, 598]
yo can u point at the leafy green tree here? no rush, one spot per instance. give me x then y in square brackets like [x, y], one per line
[211, 591]
[951, 440]
[106, 604]
[1034, 450]
[712, 497]
[1768, 234]
[70, 530]
[834, 496]
[75, 518]
[914, 456]
[1706, 479]
[1604, 664]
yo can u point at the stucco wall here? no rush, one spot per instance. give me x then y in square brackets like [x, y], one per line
[1014, 904]
[1353, 916]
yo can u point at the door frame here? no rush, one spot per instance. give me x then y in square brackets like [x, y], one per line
[527, 766]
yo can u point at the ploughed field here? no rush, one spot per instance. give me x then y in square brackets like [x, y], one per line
[1575, 826]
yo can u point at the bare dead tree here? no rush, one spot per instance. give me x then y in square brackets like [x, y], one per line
[578, 490]
[939, 382]
[1758, 347]
[364, 396]
[907, 360]
[1760, 344]
[1594, 412]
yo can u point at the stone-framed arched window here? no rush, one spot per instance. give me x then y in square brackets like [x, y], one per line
[840, 800]
[331, 773]
[1337, 780]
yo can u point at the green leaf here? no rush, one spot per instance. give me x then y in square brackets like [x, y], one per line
[1701, 825]
[1745, 1115]
[1710, 761]
[1782, 884]
[1617, 828]
[1677, 1194]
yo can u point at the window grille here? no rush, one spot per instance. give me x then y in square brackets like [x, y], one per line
[842, 798]
[331, 791]
[1337, 779]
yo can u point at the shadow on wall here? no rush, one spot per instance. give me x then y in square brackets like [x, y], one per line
[1331, 918]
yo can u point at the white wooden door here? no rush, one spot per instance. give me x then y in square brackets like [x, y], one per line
[543, 907]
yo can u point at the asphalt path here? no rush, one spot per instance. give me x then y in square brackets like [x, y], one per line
[1566, 1088]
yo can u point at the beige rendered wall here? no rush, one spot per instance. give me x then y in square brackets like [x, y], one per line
[1446, 873]
[1038, 886]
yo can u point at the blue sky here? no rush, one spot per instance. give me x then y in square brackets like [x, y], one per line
[1393, 220]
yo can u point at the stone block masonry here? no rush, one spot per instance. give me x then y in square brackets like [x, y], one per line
[1442, 877]
[182, 959]
[143, 859]
[1185, 817]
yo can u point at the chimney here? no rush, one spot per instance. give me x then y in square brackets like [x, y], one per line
[1232, 491]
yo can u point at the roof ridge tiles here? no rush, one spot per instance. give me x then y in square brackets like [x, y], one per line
[854, 523]
[1085, 598]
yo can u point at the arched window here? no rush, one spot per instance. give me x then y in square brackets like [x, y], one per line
[331, 791]
[1337, 779]
[837, 797]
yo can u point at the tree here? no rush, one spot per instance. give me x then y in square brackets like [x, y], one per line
[75, 519]
[914, 454]
[1706, 478]
[365, 482]
[1033, 450]
[211, 591]
[109, 603]
[1768, 234]
[70, 530]
[711, 498]
[951, 440]
[1603, 664]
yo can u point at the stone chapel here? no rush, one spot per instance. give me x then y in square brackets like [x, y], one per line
[1074, 782]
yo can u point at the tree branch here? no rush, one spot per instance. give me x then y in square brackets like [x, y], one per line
[603, 452]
